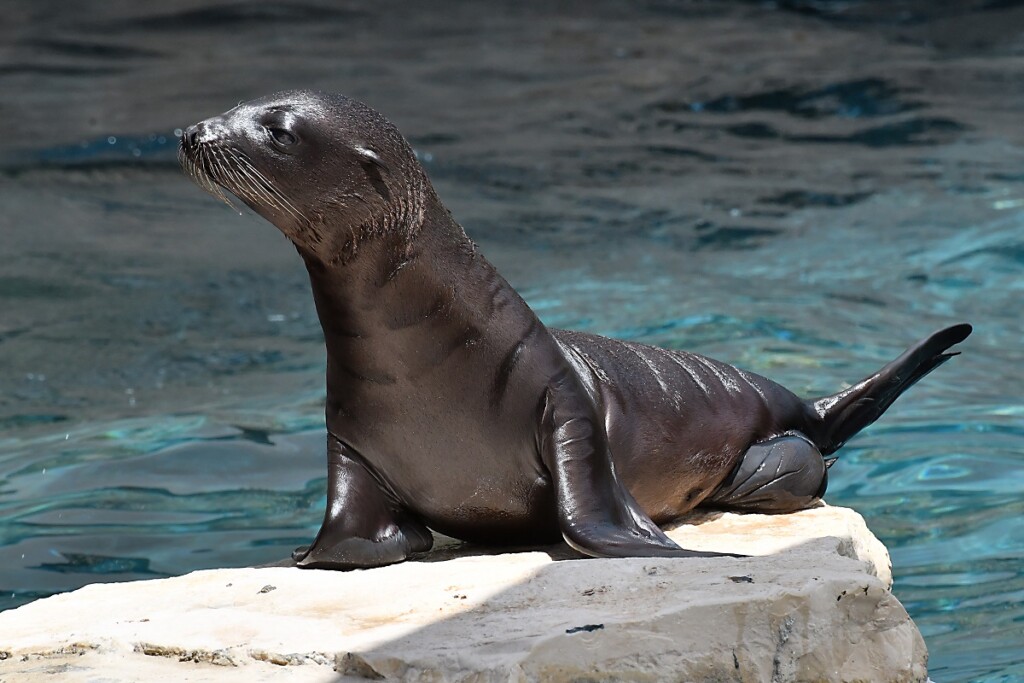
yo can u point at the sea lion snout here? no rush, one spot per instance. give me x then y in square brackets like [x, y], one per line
[190, 137]
[219, 153]
[208, 131]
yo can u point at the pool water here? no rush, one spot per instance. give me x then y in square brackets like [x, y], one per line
[799, 188]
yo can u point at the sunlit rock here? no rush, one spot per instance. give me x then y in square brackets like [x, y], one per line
[811, 604]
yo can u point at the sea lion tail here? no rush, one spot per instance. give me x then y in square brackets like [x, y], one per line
[840, 416]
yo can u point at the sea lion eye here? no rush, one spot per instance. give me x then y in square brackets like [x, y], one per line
[282, 137]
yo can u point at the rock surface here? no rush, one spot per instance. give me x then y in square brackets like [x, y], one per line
[812, 604]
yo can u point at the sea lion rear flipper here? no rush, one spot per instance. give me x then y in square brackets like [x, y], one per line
[838, 417]
[362, 526]
[596, 514]
[782, 474]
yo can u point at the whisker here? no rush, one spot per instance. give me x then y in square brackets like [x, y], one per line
[203, 166]
[209, 162]
[260, 180]
[217, 168]
[225, 168]
[254, 187]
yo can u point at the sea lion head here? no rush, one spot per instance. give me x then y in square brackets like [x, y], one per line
[328, 171]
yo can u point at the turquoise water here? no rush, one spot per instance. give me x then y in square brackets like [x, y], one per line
[799, 188]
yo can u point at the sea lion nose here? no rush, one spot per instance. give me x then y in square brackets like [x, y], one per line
[191, 135]
[204, 131]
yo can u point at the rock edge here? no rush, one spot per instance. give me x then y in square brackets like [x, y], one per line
[811, 604]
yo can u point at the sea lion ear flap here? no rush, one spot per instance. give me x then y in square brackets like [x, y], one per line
[368, 156]
[373, 165]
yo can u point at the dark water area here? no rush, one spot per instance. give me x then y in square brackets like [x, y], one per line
[799, 188]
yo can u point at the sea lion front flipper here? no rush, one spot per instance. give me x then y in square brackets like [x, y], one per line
[362, 526]
[596, 514]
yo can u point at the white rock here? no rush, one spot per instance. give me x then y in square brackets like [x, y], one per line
[813, 604]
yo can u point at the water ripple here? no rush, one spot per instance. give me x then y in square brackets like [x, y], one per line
[800, 187]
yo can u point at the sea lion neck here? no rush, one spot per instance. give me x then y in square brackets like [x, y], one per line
[377, 308]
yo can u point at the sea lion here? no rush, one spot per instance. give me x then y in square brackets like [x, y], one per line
[450, 406]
